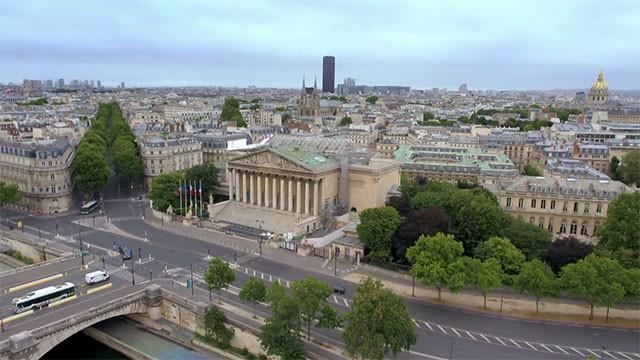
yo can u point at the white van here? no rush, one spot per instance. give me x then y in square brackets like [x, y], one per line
[96, 277]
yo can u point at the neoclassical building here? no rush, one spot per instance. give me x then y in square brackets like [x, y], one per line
[161, 155]
[599, 92]
[42, 171]
[292, 189]
[562, 206]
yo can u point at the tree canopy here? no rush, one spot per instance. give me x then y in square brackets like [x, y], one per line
[501, 249]
[280, 335]
[9, 194]
[253, 291]
[630, 168]
[372, 99]
[345, 121]
[531, 170]
[207, 173]
[428, 222]
[566, 251]
[311, 296]
[231, 112]
[164, 191]
[376, 229]
[537, 279]
[215, 328]
[378, 323]
[530, 239]
[218, 275]
[621, 229]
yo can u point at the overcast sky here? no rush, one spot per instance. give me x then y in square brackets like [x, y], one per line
[504, 44]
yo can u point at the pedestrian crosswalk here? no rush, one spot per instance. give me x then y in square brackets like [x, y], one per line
[129, 199]
[123, 218]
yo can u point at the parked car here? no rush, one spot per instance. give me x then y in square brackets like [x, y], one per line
[339, 289]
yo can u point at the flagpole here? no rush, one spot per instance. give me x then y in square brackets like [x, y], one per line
[201, 203]
[180, 191]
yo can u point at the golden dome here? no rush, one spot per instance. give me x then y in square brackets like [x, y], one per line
[600, 84]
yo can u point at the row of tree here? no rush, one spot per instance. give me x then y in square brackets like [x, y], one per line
[626, 170]
[377, 324]
[9, 195]
[438, 261]
[124, 151]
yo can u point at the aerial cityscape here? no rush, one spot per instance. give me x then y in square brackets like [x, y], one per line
[319, 180]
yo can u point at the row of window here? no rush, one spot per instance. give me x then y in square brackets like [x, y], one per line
[552, 205]
[573, 227]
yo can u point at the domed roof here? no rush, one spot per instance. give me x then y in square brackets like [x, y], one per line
[600, 84]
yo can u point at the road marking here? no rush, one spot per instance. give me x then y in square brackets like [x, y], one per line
[500, 341]
[34, 283]
[455, 331]
[346, 303]
[515, 343]
[416, 323]
[485, 338]
[441, 329]
[625, 355]
[99, 288]
[561, 349]
[335, 299]
[426, 355]
[471, 336]
[544, 346]
[531, 346]
[65, 300]
[270, 278]
[429, 326]
[594, 354]
[578, 351]
[17, 316]
[610, 354]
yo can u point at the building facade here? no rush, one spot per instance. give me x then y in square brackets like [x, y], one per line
[161, 156]
[328, 74]
[599, 92]
[42, 171]
[562, 206]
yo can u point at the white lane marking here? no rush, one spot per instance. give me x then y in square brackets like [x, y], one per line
[625, 355]
[335, 299]
[262, 275]
[577, 351]
[610, 354]
[485, 338]
[346, 303]
[441, 329]
[455, 331]
[515, 343]
[416, 323]
[561, 349]
[500, 341]
[426, 355]
[270, 278]
[429, 326]
[594, 354]
[531, 346]
[471, 336]
[544, 346]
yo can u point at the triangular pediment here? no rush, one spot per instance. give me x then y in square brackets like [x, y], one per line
[269, 159]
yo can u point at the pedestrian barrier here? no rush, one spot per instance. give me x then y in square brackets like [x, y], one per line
[99, 288]
[65, 300]
[17, 316]
[33, 283]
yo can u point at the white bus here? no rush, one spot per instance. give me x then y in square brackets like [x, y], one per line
[43, 297]
[89, 207]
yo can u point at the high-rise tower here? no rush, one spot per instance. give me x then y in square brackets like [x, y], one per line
[328, 74]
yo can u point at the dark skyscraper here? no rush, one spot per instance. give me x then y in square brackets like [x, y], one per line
[328, 74]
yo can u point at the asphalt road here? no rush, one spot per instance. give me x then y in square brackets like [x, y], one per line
[442, 330]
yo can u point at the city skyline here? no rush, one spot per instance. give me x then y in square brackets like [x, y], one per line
[535, 46]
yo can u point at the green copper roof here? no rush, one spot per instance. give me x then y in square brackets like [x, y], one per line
[310, 160]
[414, 156]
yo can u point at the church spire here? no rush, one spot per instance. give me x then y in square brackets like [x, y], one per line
[303, 86]
[315, 83]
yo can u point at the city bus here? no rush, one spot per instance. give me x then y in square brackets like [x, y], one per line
[89, 207]
[43, 297]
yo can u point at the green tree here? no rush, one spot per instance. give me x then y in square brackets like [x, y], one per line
[630, 168]
[376, 229]
[596, 279]
[632, 283]
[231, 112]
[253, 291]
[537, 279]
[501, 249]
[218, 275]
[126, 159]
[428, 116]
[614, 169]
[345, 121]
[531, 170]
[311, 297]
[530, 239]
[477, 217]
[372, 99]
[207, 173]
[621, 229]
[215, 328]
[93, 137]
[164, 191]
[486, 275]
[90, 168]
[9, 195]
[378, 323]
[280, 335]
[432, 258]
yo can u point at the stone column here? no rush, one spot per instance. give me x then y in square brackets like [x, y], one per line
[281, 207]
[316, 184]
[244, 186]
[290, 195]
[274, 192]
[230, 183]
[298, 196]
[237, 184]
[266, 190]
[252, 193]
[306, 197]
[259, 202]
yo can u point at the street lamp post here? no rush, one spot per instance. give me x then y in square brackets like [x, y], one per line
[80, 241]
[94, 221]
[133, 277]
[451, 350]
[335, 262]
[39, 234]
[260, 222]
[103, 265]
[57, 232]
[191, 268]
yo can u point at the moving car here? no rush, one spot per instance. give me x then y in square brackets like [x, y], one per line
[125, 252]
[339, 289]
[96, 277]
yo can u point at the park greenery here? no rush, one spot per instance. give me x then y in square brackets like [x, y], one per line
[531, 170]
[9, 194]
[109, 133]
[455, 237]
[35, 102]
[218, 275]
[373, 99]
[215, 330]
[165, 187]
[231, 112]
[346, 121]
